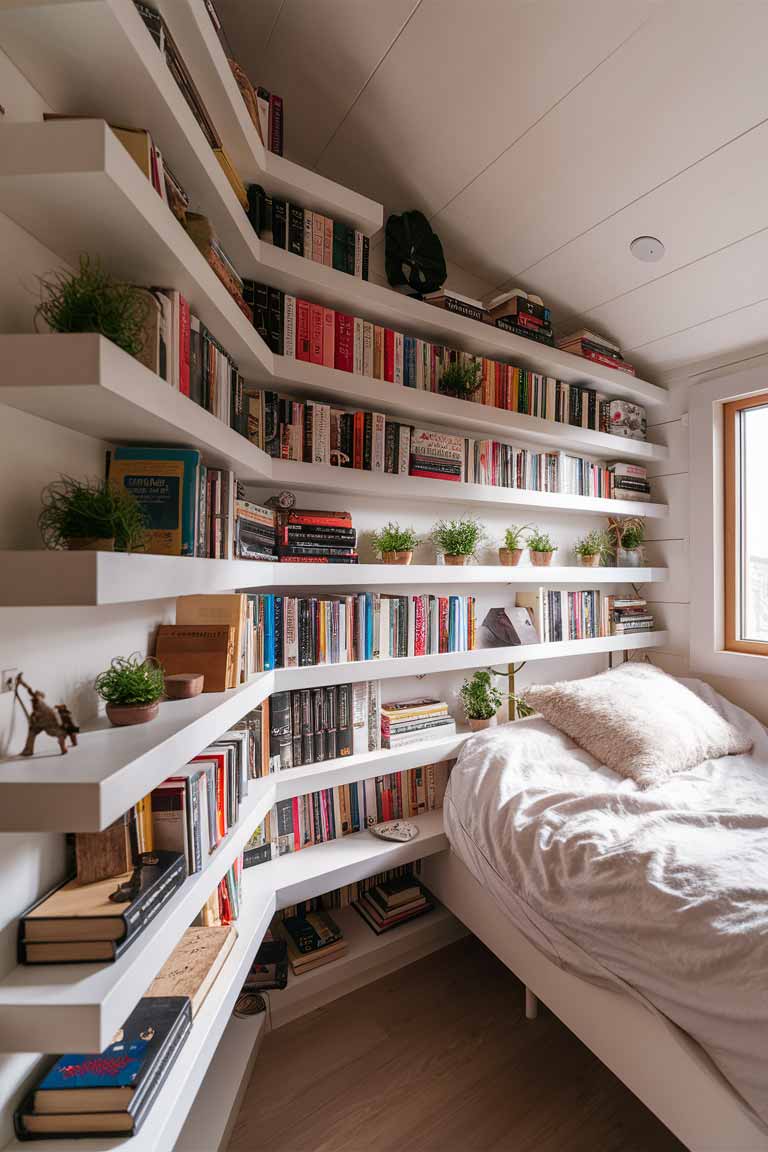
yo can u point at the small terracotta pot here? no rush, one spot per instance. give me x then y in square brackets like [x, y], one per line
[541, 559]
[479, 725]
[509, 557]
[590, 561]
[121, 715]
[397, 557]
[184, 685]
[456, 559]
[91, 544]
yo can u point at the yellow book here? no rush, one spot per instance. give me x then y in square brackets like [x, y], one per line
[232, 175]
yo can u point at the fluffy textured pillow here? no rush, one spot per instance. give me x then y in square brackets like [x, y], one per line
[638, 721]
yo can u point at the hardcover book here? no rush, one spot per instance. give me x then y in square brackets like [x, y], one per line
[194, 964]
[165, 483]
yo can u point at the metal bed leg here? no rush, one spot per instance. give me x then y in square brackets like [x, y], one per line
[531, 1005]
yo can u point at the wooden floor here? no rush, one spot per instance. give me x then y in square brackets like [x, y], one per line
[438, 1056]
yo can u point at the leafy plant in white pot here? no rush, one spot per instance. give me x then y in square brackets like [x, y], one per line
[458, 540]
[629, 536]
[481, 700]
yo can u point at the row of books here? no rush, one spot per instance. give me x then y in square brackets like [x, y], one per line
[301, 329]
[113, 1092]
[407, 722]
[304, 631]
[308, 234]
[583, 614]
[514, 311]
[311, 725]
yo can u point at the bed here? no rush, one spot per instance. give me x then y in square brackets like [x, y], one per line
[639, 916]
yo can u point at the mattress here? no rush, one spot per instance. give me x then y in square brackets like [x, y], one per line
[661, 892]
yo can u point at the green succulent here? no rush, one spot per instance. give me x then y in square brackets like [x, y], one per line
[131, 680]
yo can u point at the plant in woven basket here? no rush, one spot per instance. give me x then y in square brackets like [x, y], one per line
[458, 538]
[89, 300]
[131, 688]
[461, 379]
[480, 697]
[91, 513]
[392, 540]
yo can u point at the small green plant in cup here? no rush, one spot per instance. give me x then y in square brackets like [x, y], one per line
[591, 548]
[461, 379]
[395, 545]
[514, 544]
[540, 547]
[458, 540]
[131, 687]
[91, 514]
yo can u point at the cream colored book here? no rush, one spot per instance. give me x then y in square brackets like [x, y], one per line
[228, 608]
[194, 964]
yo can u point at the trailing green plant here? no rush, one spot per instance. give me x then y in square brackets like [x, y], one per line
[480, 697]
[540, 542]
[458, 537]
[595, 543]
[393, 538]
[461, 379]
[82, 509]
[89, 300]
[514, 537]
[131, 680]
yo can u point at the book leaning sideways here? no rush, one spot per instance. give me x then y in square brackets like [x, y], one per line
[110, 1092]
[79, 923]
[165, 481]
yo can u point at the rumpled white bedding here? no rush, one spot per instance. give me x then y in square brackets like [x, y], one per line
[662, 891]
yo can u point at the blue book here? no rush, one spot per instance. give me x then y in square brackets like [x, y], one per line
[269, 631]
[165, 481]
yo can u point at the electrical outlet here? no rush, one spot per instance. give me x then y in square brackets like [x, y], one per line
[8, 679]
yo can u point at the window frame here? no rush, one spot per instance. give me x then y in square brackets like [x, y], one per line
[732, 548]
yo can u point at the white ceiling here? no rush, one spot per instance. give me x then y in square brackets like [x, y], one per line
[540, 137]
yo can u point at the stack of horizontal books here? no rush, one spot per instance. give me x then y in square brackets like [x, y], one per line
[393, 902]
[415, 722]
[592, 346]
[313, 939]
[626, 615]
[311, 536]
[522, 315]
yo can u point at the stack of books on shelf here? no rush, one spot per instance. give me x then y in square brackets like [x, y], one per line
[304, 631]
[457, 303]
[316, 536]
[312, 725]
[303, 330]
[255, 531]
[597, 348]
[438, 455]
[345, 896]
[629, 482]
[626, 615]
[309, 234]
[406, 722]
[313, 938]
[393, 902]
[332, 813]
[523, 315]
[563, 614]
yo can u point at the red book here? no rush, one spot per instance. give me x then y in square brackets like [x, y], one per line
[302, 330]
[316, 333]
[442, 623]
[424, 472]
[420, 636]
[345, 341]
[318, 520]
[358, 439]
[389, 355]
[329, 337]
[296, 824]
[184, 341]
[598, 358]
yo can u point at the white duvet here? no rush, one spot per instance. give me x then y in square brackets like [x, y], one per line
[662, 891]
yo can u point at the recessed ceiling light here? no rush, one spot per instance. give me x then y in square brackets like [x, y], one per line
[647, 248]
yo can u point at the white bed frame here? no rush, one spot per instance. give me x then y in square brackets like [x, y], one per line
[667, 1070]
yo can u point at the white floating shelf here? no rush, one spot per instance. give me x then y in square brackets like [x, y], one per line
[448, 412]
[85, 382]
[79, 1007]
[37, 579]
[382, 486]
[112, 768]
[76, 189]
[198, 43]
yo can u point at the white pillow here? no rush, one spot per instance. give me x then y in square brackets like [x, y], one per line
[638, 721]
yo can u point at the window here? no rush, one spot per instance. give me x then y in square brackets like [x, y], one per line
[745, 456]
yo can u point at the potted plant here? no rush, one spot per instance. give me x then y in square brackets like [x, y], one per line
[591, 548]
[132, 687]
[481, 700]
[91, 514]
[458, 540]
[461, 379]
[394, 544]
[89, 300]
[513, 547]
[629, 536]
[540, 547]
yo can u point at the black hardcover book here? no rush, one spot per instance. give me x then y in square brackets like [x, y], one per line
[318, 534]
[390, 447]
[350, 252]
[366, 256]
[279, 222]
[272, 424]
[590, 396]
[296, 745]
[261, 854]
[461, 308]
[329, 721]
[275, 320]
[307, 727]
[339, 253]
[509, 325]
[296, 229]
[304, 633]
[346, 438]
[257, 207]
[196, 361]
[257, 297]
[367, 441]
[322, 549]
[280, 743]
[110, 1092]
[574, 415]
[344, 723]
[318, 719]
[79, 923]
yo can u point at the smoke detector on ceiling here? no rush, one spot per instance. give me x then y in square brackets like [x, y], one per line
[647, 248]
